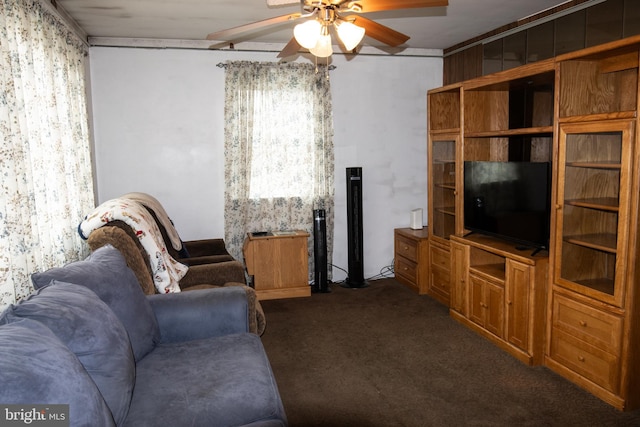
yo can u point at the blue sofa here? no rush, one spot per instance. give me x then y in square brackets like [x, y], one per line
[89, 338]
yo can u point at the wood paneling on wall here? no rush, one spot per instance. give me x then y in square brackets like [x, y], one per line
[603, 22]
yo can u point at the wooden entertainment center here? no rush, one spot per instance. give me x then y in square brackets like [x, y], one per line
[574, 308]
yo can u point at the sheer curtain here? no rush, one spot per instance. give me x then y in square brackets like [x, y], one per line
[46, 182]
[278, 150]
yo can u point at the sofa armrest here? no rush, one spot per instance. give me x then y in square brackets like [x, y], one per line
[202, 313]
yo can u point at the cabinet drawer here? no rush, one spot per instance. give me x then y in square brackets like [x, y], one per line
[407, 269]
[440, 281]
[440, 258]
[590, 362]
[591, 325]
[407, 248]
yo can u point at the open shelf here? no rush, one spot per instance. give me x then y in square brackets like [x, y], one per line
[487, 264]
[503, 148]
[509, 117]
[492, 271]
[520, 106]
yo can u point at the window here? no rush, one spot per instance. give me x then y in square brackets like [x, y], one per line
[282, 150]
[278, 150]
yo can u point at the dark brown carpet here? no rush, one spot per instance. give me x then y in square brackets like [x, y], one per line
[385, 356]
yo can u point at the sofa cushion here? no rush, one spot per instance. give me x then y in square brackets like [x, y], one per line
[89, 328]
[222, 381]
[37, 369]
[106, 273]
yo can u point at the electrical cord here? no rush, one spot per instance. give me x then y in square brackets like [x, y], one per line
[385, 272]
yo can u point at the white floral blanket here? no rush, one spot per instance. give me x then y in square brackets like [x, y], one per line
[153, 204]
[167, 272]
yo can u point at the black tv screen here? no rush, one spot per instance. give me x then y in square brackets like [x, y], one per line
[510, 200]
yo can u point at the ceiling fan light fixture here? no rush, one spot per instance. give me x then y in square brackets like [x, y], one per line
[323, 48]
[308, 33]
[350, 34]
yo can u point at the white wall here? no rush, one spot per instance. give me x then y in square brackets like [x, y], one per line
[158, 126]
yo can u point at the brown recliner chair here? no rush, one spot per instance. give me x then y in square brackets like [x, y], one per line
[227, 273]
[192, 252]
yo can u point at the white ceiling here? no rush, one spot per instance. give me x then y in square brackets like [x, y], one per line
[429, 28]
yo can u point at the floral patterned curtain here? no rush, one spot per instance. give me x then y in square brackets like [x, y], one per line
[46, 182]
[279, 163]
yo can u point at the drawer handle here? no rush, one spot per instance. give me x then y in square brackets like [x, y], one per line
[583, 323]
[406, 248]
[405, 269]
[581, 358]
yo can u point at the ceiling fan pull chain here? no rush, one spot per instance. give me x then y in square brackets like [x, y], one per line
[326, 69]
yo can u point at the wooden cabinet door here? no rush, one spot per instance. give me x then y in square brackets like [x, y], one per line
[293, 255]
[517, 286]
[477, 311]
[592, 208]
[459, 269]
[486, 304]
[263, 264]
[444, 198]
[494, 306]
[440, 277]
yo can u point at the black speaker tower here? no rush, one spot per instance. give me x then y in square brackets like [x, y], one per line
[355, 275]
[320, 282]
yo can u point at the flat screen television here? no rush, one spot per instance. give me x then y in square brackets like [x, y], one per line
[510, 200]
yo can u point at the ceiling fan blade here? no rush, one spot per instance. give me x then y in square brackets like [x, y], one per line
[380, 32]
[290, 49]
[271, 3]
[232, 32]
[379, 5]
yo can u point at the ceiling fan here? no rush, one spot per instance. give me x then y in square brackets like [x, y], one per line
[320, 17]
